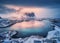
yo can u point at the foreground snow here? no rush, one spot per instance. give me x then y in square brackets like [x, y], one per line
[52, 37]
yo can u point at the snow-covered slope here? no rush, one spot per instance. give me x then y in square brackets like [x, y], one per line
[4, 22]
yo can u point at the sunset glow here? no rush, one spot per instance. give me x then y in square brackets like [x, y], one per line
[29, 24]
[21, 10]
[20, 14]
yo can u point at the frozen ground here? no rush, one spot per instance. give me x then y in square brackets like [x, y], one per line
[52, 37]
[6, 37]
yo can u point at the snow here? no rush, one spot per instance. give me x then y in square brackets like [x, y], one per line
[52, 35]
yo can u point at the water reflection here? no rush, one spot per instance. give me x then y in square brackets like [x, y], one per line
[26, 29]
[29, 24]
[32, 28]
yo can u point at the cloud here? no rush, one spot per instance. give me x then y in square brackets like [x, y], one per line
[40, 12]
[21, 10]
[5, 10]
[16, 9]
[28, 6]
[30, 14]
[31, 2]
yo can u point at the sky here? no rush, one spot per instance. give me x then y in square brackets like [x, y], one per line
[16, 9]
[41, 8]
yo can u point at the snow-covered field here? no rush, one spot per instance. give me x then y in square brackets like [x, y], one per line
[6, 37]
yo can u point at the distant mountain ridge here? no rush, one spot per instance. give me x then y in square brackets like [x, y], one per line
[5, 22]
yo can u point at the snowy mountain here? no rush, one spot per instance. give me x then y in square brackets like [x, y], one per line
[6, 22]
